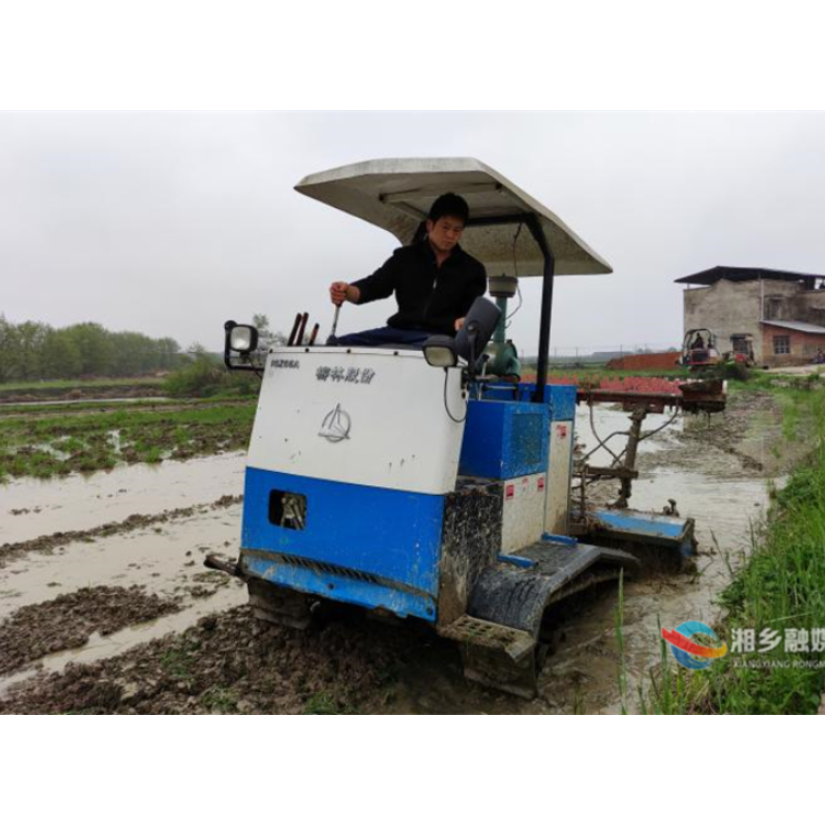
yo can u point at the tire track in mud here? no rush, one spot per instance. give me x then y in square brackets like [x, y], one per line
[230, 663]
[68, 621]
[47, 544]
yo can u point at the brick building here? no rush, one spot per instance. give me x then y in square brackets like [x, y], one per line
[782, 312]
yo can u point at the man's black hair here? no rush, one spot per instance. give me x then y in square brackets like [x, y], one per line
[451, 205]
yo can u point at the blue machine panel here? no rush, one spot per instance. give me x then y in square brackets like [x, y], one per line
[391, 537]
[667, 532]
[560, 398]
[504, 439]
[562, 401]
[342, 588]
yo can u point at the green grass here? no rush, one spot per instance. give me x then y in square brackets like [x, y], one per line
[206, 378]
[224, 700]
[322, 704]
[763, 380]
[178, 662]
[619, 625]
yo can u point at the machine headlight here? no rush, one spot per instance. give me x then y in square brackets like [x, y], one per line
[243, 338]
[439, 350]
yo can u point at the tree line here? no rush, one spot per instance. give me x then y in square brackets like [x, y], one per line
[33, 351]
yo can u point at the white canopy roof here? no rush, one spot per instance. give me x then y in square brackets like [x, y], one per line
[396, 194]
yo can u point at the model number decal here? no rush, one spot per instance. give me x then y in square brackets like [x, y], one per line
[284, 364]
[349, 375]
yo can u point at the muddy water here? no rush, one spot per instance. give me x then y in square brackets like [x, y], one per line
[166, 559]
[611, 425]
[32, 507]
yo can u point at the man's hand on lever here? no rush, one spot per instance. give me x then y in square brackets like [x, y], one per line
[341, 291]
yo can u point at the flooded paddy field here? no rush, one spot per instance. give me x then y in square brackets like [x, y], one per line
[105, 605]
[61, 440]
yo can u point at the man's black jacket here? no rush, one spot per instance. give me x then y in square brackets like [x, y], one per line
[429, 297]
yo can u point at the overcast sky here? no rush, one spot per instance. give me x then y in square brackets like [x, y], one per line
[169, 224]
